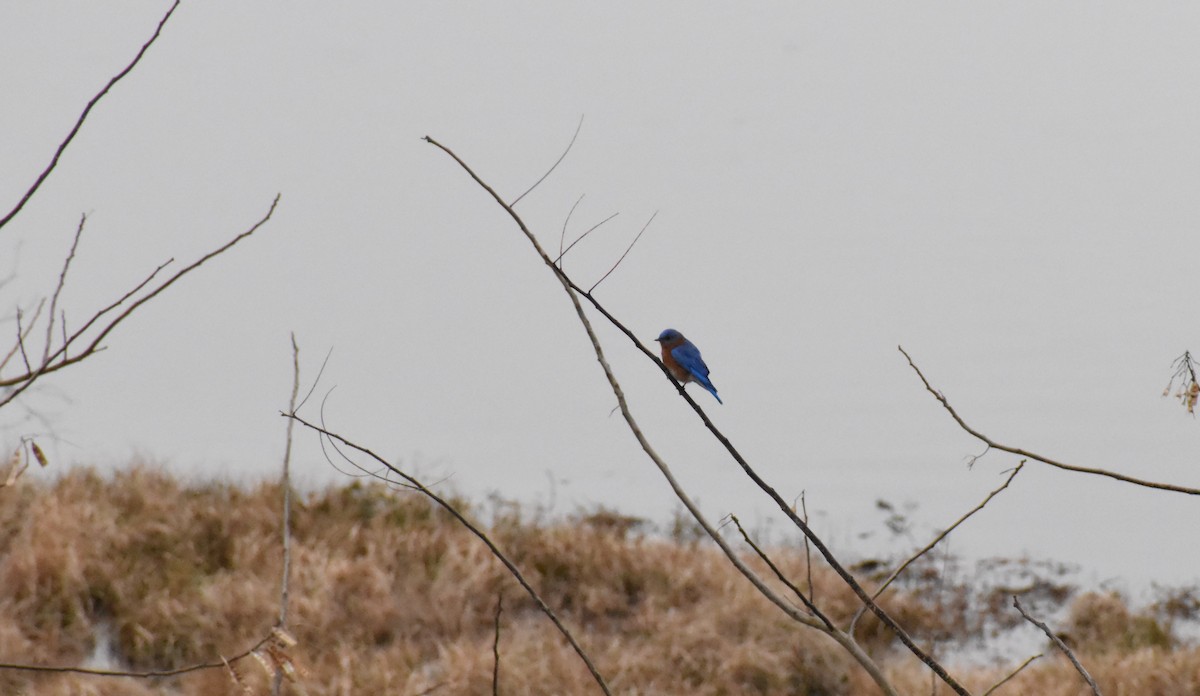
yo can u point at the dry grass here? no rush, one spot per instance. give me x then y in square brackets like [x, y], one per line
[391, 596]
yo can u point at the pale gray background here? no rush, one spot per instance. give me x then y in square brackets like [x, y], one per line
[1009, 191]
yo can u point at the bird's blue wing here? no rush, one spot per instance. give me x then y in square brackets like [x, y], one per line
[688, 357]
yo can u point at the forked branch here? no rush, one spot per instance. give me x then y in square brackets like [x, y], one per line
[89, 341]
[1059, 644]
[417, 485]
[1033, 455]
[929, 547]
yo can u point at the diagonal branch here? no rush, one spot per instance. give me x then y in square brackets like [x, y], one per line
[580, 237]
[781, 577]
[142, 675]
[928, 547]
[286, 516]
[62, 280]
[1059, 644]
[1011, 674]
[79, 123]
[412, 482]
[554, 166]
[627, 250]
[1031, 455]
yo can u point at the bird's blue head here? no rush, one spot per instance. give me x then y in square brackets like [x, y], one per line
[669, 335]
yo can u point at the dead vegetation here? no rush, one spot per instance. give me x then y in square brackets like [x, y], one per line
[391, 595]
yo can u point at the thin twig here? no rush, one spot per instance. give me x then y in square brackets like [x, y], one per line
[554, 166]
[140, 675]
[579, 239]
[562, 237]
[812, 592]
[286, 531]
[928, 547]
[79, 123]
[1011, 674]
[62, 279]
[627, 250]
[780, 576]
[1031, 455]
[448, 507]
[496, 645]
[21, 342]
[1059, 644]
[21, 337]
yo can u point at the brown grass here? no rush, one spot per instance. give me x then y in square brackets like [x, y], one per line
[391, 596]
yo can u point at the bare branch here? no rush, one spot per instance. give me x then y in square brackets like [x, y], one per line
[286, 531]
[79, 123]
[1011, 674]
[1031, 455]
[1059, 644]
[561, 237]
[47, 367]
[780, 576]
[496, 645]
[62, 279]
[448, 507]
[19, 344]
[812, 592]
[554, 166]
[928, 547]
[627, 250]
[140, 675]
[580, 237]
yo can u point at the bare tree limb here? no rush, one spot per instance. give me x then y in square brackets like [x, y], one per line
[79, 123]
[627, 250]
[286, 530]
[62, 279]
[1011, 674]
[554, 166]
[928, 547]
[22, 335]
[1031, 455]
[448, 507]
[563, 236]
[139, 675]
[1059, 644]
[812, 592]
[496, 645]
[579, 239]
[812, 608]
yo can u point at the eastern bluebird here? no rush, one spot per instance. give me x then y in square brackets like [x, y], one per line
[682, 358]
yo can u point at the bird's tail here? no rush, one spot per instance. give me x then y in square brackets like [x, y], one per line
[707, 384]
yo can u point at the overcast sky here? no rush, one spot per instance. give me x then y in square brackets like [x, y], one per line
[1008, 190]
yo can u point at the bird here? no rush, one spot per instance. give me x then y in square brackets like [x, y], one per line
[683, 360]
